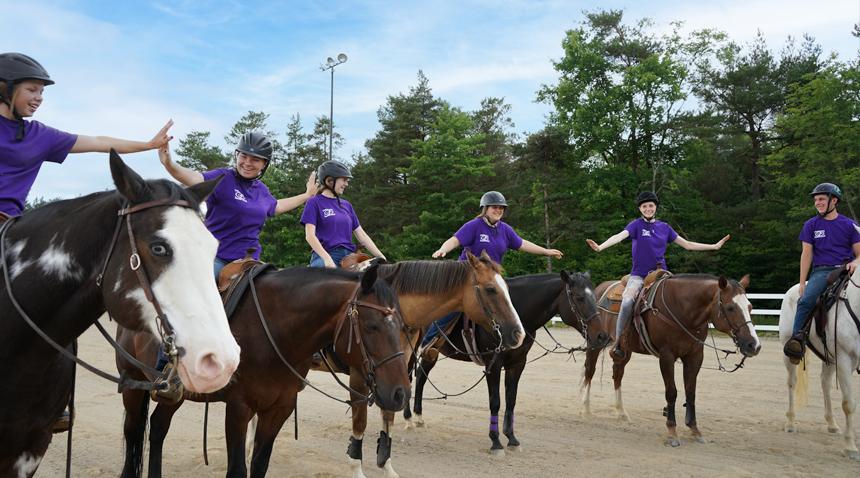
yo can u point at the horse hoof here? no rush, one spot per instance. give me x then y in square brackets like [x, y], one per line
[673, 442]
[409, 425]
[624, 417]
[499, 452]
[833, 429]
[389, 470]
[515, 448]
[700, 440]
[790, 428]
[853, 454]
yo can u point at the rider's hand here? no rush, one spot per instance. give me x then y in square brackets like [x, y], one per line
[852, 266]
[800, 290]
[311, 185]
[161, 138]
[593, 245]
[164, 155]
[330, 263]
[439, 253]
[555, 253]
[722, 241]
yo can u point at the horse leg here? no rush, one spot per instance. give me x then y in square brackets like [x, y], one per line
[591, 356]
[269, 423]
[827, 371]
[512, 380]
[159, 424]
[359, 422]
[790, 415]
[383, 445]
[425, 365]
[667, 368]
[692, 364]
[136, 404]
[843, 376]
[617, 375]
[494, 375]
[236, 419]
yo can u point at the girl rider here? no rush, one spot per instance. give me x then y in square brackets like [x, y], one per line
[650, 238]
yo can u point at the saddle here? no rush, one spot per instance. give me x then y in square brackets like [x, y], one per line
[235, 278]
[611, 298]
[357, 261]
[837, 281]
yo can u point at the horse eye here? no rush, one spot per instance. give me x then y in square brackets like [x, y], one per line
[160, 249]
[491, 290]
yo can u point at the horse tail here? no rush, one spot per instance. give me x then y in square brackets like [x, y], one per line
[801, 388]
[136, 440]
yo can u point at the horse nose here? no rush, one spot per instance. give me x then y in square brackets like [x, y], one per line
[399, 397]
[211, 367]
[602, 340]
[517, 337]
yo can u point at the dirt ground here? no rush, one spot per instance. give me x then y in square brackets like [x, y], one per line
[741, 416]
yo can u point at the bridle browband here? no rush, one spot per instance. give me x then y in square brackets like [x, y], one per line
[164, 327]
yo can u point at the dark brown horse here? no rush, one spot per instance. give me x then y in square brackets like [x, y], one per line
[429, 290]
[537, 298]
[676, 326]
[130, 252]
[305, 309]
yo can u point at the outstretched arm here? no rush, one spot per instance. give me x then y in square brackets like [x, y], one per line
[533, 248]
[103, 144]
[186, 176]
[290, 203]
[698, 246]
[609, 242]
[446, 247]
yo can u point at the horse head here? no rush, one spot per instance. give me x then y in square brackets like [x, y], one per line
[158, 275]
[490, 305]
[733, 315]
[374, 316]
[578, 309]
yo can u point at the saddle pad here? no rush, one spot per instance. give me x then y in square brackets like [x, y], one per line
[237, 288]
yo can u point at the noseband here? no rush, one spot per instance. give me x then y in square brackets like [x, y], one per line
[583, 320]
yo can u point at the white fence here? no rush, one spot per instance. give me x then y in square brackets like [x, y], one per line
[756, 312]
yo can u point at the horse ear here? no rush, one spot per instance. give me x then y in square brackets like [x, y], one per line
[201, 191]
[745, 281]
[565, 276]
[472, 259]
[588, 275]
[368, 278]
[127, 182]
[723, 282]
[485, 256]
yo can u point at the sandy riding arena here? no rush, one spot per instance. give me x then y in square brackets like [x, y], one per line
[741, 416]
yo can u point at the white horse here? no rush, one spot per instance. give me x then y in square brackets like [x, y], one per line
[843, 343]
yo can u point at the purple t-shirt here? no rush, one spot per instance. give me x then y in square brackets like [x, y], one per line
[832, 241]
[20, 161]
[477, 236]
[649, 245]
[334, 219]
[237, 210]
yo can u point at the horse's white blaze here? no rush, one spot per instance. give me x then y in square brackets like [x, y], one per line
[743, 302]
[27, 464]
[54, 260]
[504, 287]
[187, 293]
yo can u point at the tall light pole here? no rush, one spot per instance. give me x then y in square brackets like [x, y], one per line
[330, 63]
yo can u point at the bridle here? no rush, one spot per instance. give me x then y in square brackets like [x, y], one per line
[583, 320]
[164, 328]
[496, 328]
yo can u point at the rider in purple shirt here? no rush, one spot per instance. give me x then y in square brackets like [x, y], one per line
[25, 145]
[829, 241]
[487, 232]
[241, 203]
[650, 238]
[330, 220]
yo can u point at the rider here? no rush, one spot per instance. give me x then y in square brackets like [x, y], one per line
[241, 203]
[330, 220]
[650, 238]
[486, 232]
[828, 241]
[26, 144]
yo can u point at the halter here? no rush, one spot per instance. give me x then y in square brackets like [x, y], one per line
[164, 327]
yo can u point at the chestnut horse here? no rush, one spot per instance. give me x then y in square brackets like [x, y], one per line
[140, 253]
[537, 298]
[676, 325]
[429, 290]
[287, 315]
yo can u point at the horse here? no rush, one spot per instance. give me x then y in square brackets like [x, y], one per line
[842, 333]
[286, 316]
[428, 290]
[537, 298]
[142, 254]
[675, 327]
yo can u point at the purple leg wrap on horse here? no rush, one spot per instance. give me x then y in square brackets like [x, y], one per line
[494, 423]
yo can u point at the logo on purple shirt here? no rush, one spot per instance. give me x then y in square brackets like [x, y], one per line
[327, 212]
[239, 196]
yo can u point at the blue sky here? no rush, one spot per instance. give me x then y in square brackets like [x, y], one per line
[124, 68]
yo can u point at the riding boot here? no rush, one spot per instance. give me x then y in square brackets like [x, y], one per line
[620, 326]
[795, 347]
[63, 423]
[174, 390]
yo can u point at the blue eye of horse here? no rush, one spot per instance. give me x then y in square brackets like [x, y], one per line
[160, 249]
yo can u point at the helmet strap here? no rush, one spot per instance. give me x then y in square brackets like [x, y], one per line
[830, 209]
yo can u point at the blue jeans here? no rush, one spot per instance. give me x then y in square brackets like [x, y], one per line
[438, 326]
[814, 287]
[219, 264]
[337, 254]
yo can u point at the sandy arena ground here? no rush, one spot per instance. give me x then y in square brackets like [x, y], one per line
[741, 416]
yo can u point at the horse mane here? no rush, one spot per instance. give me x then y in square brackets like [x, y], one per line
[428, 277]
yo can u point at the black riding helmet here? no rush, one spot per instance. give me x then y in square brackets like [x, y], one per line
[493, 198]
[257, 145]
[15, 68]
[647, 196]
[332, 169]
